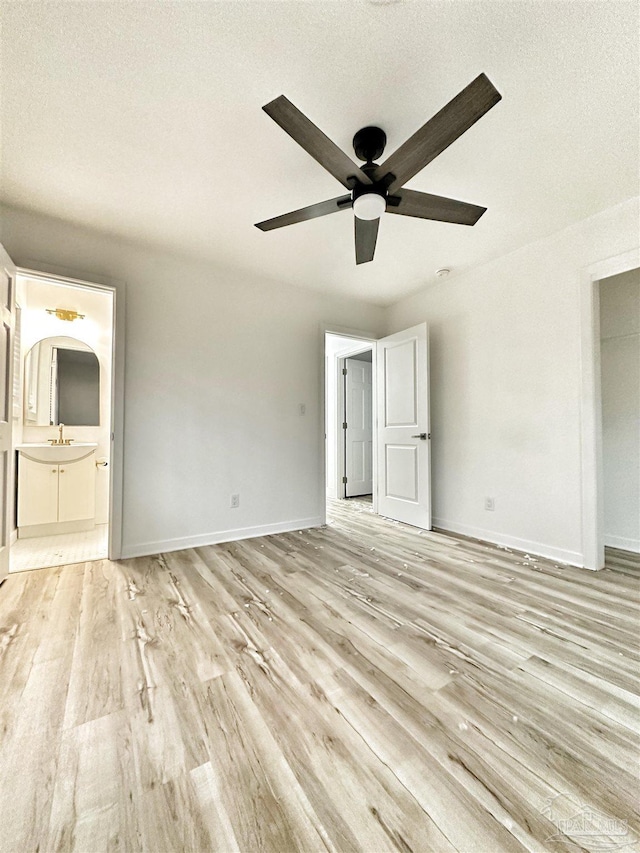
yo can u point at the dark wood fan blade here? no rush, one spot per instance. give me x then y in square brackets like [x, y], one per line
[333, 205]
[315, 142]
[366, 232]
[426, 206]
[439, 132]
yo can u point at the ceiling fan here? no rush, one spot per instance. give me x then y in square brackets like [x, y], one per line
[374, 189]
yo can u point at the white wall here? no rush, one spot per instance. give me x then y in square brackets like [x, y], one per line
[95, 330]
[216, 366]
[505, 386]
[620, 377]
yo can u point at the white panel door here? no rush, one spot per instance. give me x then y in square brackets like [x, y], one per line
[7, 324]
[359, 431]
[403, 445]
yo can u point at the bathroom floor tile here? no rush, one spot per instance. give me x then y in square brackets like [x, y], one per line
[46, 551]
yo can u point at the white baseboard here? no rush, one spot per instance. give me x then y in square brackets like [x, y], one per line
[147, 549]
[573, 558]
[622, 543]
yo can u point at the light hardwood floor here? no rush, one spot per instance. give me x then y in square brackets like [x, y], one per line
[362, 687]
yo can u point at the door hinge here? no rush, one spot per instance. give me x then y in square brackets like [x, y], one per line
[344, 425]
[344, 479]
[344, 371]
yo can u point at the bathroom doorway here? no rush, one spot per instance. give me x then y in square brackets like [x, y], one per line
[62, 421]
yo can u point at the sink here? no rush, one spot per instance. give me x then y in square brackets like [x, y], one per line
[57, 452]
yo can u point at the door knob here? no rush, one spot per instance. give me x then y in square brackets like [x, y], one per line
[422, 436]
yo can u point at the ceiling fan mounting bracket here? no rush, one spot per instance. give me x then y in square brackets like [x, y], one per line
[369, 143]
[366, 189]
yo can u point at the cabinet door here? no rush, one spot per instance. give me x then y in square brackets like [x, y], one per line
[37, 492]
[77, 490]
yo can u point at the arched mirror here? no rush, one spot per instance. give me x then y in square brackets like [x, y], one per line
[62, 384]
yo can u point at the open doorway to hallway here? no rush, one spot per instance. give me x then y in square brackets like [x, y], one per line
[349, 417]
[62, 416]
[377, 422]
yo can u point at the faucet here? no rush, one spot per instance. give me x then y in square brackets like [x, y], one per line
[60, 439]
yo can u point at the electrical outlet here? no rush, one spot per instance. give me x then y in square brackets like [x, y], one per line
[302, 408]
[490, 504]
[235, 501]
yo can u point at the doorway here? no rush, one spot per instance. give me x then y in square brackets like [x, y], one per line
[62, 421]
[619, 310]
[339, 348]
[593, 533]
[377, 435]
[356, 405]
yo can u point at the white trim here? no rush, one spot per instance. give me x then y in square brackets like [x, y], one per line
[561, 555]
[622, 542]
[590, 404]
[147, 549]
[61, 277]
[341, 416]
[55, 528]
[116, 479]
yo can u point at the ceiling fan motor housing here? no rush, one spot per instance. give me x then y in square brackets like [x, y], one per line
[369, 143]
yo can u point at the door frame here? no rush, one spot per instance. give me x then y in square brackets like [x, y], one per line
[343, 332]
[8, 313]
[591, 403]
[341, 414]
[116, 461]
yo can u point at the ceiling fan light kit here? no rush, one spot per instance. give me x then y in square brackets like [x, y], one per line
[369, 206]
[374, 189]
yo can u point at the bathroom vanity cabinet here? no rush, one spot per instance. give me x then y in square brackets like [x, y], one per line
[56, 489]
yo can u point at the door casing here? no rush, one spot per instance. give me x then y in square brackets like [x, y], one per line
[7, 320]
[341, 417]
[591, 404]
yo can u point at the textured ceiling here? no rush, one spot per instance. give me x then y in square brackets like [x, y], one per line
[144, 120]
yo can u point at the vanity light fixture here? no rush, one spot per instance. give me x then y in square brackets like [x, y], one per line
[65, 314]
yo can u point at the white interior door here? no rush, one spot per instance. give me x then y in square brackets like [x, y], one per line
[7, 322]
[403, 440]
[359, 430]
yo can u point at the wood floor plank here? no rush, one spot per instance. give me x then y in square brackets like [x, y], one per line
[362, 686]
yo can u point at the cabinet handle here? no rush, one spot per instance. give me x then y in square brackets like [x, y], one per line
[53, 470]
[62, 470]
